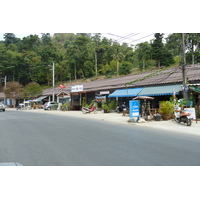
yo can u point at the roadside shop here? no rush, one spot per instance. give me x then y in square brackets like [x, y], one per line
[195, 97]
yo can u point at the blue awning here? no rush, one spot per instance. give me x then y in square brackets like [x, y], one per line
[40, 98]
[160, 90]
[129, 92]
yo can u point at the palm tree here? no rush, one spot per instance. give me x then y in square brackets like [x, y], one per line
[118, 56]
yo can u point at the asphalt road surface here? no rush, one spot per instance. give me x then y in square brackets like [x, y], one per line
[41, 139]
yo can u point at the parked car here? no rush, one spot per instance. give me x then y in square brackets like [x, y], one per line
[2, 107]
[50, 105]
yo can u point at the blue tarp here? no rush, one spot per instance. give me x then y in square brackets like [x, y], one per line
[129, 92]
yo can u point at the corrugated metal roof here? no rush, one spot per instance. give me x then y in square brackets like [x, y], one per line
[167, 76]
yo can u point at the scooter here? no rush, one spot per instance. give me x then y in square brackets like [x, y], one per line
[89, 110]
[182, 116]
[121, 108]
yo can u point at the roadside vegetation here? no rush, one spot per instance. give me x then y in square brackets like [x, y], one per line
[87, 57]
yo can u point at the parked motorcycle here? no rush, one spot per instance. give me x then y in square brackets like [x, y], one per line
[89, 110]
[182, 116]
[121, 108]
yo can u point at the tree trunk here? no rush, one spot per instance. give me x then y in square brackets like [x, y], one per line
[95, 55]
[75, 77]
[82, 73]
[143, 65]
[117, 68]
[158, 63]
[192, 54]
[1, 87]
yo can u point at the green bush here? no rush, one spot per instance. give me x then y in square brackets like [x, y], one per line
[112, 105]
[105, 106]
[166, 107]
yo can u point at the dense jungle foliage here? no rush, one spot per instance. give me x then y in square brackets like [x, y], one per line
[86, 55]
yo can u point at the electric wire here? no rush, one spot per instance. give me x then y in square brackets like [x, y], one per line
[121, 38]
[127, 36]
[141, 38]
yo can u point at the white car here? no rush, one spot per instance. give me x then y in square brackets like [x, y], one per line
[2, 107]
[50, 105]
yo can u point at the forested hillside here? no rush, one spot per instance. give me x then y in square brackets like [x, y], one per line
[86, 55]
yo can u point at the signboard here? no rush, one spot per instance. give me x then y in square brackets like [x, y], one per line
[77, 88]
[192, 112]
[104, 92]
[134, 108]
[100, 98]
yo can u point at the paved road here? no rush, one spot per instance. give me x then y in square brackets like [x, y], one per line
[40, 139]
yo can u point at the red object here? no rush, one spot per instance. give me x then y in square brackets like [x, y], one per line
[62, 86]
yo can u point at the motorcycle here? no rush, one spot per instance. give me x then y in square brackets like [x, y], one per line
[121, 108]
[182, 116]
[89, 110]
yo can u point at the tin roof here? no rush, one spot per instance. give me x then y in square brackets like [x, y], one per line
[158, 77]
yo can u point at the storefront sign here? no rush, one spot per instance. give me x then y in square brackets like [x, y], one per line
[77, 88]
[134, 108]
[104, 92]
[192, 112]
[100, 98]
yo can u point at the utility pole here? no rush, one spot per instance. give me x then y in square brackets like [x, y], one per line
[4, 93]
[53, 82]
[185, 95]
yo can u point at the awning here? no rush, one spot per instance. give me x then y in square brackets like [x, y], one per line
[40, 98]
[160, 90]
[129, 92]
[195, 88]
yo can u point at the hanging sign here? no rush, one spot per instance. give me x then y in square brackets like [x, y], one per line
[77, 88]
[104, 92]
[134, 108]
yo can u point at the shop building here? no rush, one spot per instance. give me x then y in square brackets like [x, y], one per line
[160, 84]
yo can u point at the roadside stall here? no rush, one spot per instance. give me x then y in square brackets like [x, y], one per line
[36, 104]
[27, 105]
[145, 108]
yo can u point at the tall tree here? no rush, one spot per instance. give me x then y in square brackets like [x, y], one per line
[144, 53]
[159, 52]
[173, 44]
[118, 56]
[192, 43]
[10, 38]
[158, 48]
[32, 90]
[14, 90]
[96, 42]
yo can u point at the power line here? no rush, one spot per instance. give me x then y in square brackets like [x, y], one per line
[114, 35]
[127, 36]
[141, 38]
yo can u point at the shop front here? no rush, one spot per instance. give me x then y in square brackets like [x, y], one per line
[195, 97]
[123, 96]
